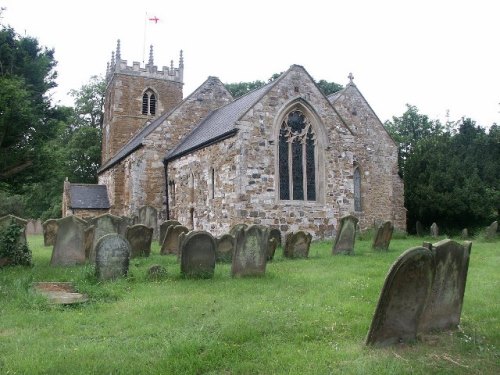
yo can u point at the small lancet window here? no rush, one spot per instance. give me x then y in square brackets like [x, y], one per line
[357, 190]
[149, 103]
[296, 155]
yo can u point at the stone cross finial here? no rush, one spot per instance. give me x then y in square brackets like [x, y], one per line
[351, 77]
[150, 62]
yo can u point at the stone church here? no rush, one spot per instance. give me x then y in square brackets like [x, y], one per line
[284, 155]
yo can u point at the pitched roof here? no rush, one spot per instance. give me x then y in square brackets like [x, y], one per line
[88, 196]
[219, 124]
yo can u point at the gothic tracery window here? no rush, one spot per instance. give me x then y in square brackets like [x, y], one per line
[149, 103]
[297, 166]
[357, 190]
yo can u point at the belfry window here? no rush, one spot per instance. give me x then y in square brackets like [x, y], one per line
[357, 190]
[149, 103]
[297, 165]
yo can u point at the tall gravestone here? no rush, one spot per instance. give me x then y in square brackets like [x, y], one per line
[103, 225]
[225, 248]
[405, 292]
[383, 236]
[346, 236]
[250, 255]
[170, 244]
[139, 236]
[164, 227]
[49, 232]
[297, 245]
[69, 247]
[197, 249]
[434, 230]
[148, 216]
[444, 306]
[112, 257]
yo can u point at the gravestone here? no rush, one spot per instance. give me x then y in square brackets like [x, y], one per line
[276, 234]
[197, 249]
[112, 257]
[49, 232]
[434, 230]
[163, 229]
[139, 236]
[383, 236]
[297, 245]
[250, 254]
[7, 220]
[124, 224]
[225, 248]
[346, 236]
[69, 247]
[235, 229]
[104, 224]
[402, 300]
[170, 244]
[419, 228]
[491, 231]
[444, 307]
[88, 240]
[148, 216]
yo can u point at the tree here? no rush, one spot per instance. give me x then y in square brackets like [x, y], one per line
[89, 102]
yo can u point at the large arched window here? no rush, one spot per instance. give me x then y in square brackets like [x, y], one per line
[149, 103]
[357, 190]
[297, 165]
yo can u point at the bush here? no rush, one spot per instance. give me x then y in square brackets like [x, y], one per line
[12, 248]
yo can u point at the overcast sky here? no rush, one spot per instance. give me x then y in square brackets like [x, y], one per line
[438, 55]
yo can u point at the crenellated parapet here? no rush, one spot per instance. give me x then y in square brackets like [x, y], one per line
[149, 70]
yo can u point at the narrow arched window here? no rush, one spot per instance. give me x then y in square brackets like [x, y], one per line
[297, 165]
[149, 103]
[357, 190]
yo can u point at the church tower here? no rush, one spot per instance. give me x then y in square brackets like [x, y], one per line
[135, 96]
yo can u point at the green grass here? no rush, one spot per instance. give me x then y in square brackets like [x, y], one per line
[303, 317]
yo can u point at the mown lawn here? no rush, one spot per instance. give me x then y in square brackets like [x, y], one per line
[303, 317]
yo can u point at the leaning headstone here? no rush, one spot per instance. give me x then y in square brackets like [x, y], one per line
[148, 216]
[104, 224]
[163, 229]
[383, 236]
[170, 244]
[419, 228]
[139, 236]
[225, 248]
[49, 232]
[346, 235]
[69, 247]
[112, 257]
[404, 294]
[250, 255]
[434, 230]
[297, 245]
[235, 229]
[444, 307]
[491, 231]
[197, 249]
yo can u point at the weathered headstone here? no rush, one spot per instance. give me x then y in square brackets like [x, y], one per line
[419, 228]
[250, 255]
[104, 224]
[124, 224]
[402, 300]
[346, 236]
[276, 234]
[444, 307]
[112, 257]
[297, 245]
[49, 232]
[69, 247]
[148, 216]
[235, 229]
[225, 248]
[197, 249]
[163, 229]
[139, 236]
[383, 236]
[491, 231]
[434, 230]
[170, 244]
[464, 234]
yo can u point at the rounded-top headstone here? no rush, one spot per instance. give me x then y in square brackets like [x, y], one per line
[112, 257]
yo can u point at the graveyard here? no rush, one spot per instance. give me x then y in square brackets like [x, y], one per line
[306, 314]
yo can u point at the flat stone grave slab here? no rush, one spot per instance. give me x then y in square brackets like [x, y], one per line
[59, 293]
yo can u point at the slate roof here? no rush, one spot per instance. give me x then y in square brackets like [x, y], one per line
[88, 196]
[219, 124]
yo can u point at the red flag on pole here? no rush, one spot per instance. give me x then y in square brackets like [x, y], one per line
[154, 19]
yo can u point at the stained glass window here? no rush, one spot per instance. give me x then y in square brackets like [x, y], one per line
[357, 190]
[296, 149]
